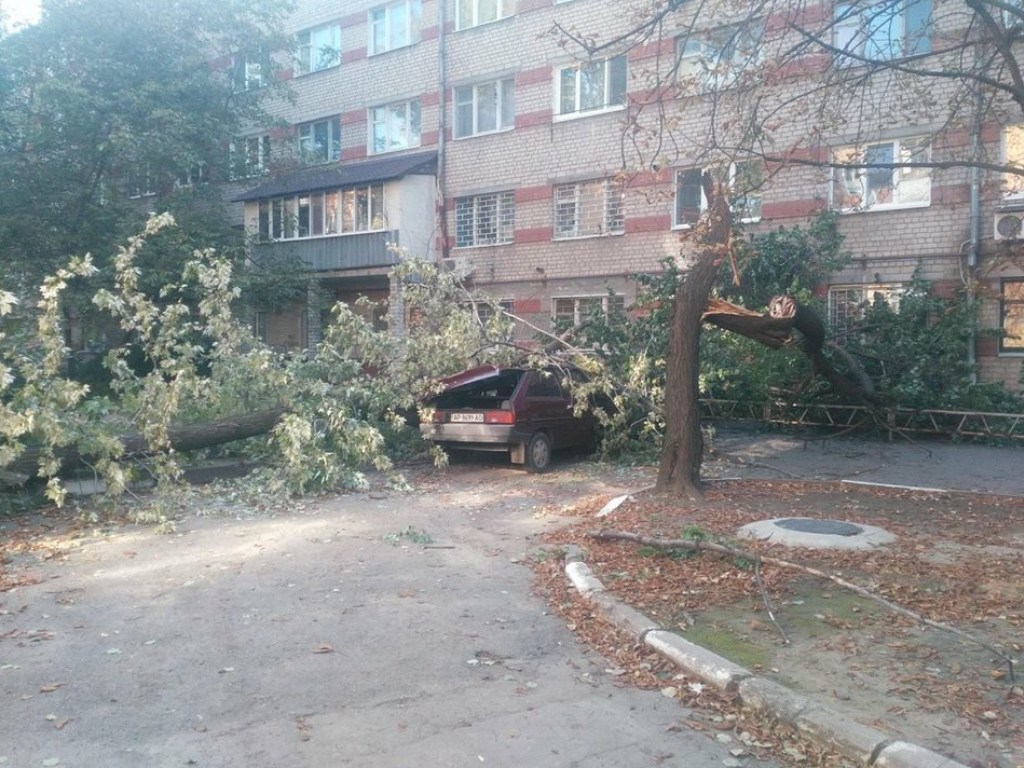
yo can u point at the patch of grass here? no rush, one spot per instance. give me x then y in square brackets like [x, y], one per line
[410, 534]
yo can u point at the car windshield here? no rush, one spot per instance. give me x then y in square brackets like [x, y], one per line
[489, 393]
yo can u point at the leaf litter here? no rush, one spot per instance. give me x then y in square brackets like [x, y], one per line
[958, 559]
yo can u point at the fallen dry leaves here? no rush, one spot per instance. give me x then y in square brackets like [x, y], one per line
[959, 560]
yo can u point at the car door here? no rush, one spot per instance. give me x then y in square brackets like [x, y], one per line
[546, 407]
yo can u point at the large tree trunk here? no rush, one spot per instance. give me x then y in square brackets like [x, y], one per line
[185, 437]
[683, 448]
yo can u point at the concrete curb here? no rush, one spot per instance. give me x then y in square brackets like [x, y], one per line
[860, 743]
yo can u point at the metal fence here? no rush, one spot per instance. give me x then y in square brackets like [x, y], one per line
[972, 424]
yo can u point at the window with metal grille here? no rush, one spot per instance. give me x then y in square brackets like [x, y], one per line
[484, 310]
[847, 305]
[485, 219]
[588, 209]
[573, 310]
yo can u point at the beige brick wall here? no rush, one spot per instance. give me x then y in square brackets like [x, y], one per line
[540, 152]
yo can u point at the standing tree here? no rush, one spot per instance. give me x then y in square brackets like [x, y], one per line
[110, 107]
[810, 95]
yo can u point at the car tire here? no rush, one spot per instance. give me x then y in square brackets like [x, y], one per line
[538, 453]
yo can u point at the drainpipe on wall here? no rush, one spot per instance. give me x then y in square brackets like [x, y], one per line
[974, 246]
[442, 127]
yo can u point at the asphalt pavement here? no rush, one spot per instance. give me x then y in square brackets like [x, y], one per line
[366, 630]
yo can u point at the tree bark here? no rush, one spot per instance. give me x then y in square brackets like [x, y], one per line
[184, 437]
[683, 447]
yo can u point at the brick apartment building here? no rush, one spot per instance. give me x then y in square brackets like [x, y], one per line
[462, 130]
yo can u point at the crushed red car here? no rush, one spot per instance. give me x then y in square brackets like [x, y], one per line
[524, 411]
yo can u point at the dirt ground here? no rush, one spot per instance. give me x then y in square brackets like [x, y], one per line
[958, 560]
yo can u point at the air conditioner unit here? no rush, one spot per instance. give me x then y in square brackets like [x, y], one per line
[460, 266]
[1009, 225]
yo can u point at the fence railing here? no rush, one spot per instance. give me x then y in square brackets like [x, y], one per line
[972, 424]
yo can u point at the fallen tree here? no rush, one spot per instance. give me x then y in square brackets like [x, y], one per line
[181, 439]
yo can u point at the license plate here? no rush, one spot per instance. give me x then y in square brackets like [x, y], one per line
[463, 418]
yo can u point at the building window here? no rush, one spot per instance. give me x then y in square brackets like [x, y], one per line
[473, 13]
[880, 31]
[744, 180]
[394, 25]
[248, 74]
[590, 86]
[716, 60]
[1013, 154]
[1011, 315]
[259, 325]
[485, 220]
[348, 210]
[588, 209]
[249, 156]
[394, 127]
[320, 141]
[573, 310]
[485, 310]
[484, 108]
[319, 48]
[140, 182]
[193, 175]
[882, 176]
[847, 305]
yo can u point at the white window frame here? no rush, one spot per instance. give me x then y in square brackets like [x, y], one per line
[493, 212]
[733, 171]
[473, 98]
[613, 217]
[1017, 350]
[855, 28]
[468, 13]
[1013, 154]
[141, 182]
[859, 189]
[248, 74]
[306, 141]
[715, 60]
[249, 156]
[610, 100]
[328, 213]
[389, 19]
[316, 54]
[848, 303]
[581, 305]
[395, 137]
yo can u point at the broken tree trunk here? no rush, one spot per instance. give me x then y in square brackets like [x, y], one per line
[183, 438]
[776, 329]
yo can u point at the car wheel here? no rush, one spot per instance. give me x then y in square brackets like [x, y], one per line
[538, 453]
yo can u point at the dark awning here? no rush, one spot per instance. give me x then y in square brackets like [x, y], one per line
[321, 177]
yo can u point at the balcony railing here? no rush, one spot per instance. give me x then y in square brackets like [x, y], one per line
[324, 254]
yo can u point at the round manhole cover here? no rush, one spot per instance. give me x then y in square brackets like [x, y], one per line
[825, 527]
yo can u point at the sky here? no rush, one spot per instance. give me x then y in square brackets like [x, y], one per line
[20, 12]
